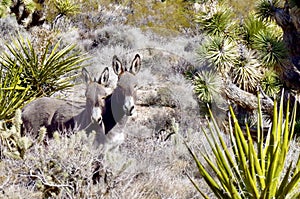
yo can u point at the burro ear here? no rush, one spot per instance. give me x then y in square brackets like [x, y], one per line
[103, 80]
[117, 65]
[135, 64]
[86, 76]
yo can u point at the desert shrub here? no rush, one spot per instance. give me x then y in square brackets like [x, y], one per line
[172, 15]
[112, 36]
[8, 28]
[245, 169]
[27, 73]
[241, 9]
[13, 145]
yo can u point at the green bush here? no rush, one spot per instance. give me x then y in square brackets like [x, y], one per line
[251, 170]
[27, 73]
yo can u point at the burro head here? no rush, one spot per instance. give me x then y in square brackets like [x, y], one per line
[95, 95]
[125, 92]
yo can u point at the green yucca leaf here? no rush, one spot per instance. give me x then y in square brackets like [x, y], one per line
[284, 182]
[208, 178]
[251, 26]
[222, 167]
[270, 83]
[249, 170]
[265, 9]
[220, 52]
[207, 85]
[223, 144]
[247, 73]
[66, 7]
[271, 48]
[216, 21]
[39, 73]
[4, 7]
[293, 184]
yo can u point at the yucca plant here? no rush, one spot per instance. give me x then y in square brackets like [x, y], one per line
[251, 170]
[220, 52]
[216, 20]
[26, 73]
[66, 7]
[266, 9]
[4, 7]
[207, 85]
[12, 95]
[271, 48]
[247, 73]
[251, 26]
[270, 83]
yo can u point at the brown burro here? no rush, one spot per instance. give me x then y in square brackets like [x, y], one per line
[67, 116]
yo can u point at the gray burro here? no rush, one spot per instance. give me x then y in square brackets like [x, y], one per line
[67, 116]
[101, 112]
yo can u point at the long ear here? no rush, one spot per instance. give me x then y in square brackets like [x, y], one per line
[86, 75]
[103, 80]
[135, 64]
[117, 65]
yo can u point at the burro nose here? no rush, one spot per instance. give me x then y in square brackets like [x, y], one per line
[97, 115]
[129, 107]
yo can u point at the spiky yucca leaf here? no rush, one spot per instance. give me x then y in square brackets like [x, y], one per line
[270, 83]
[37, 73]
[248, 170]
[216, 20]
[4, 7]
[31, 5]
[265, 9]
[247, 73]
[12, 94]
[66, 7]
[220, 52]
[271, 48]
[251, 26]
[207, 85]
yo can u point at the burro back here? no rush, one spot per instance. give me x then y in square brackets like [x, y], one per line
[121, 103]
[67, 116]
